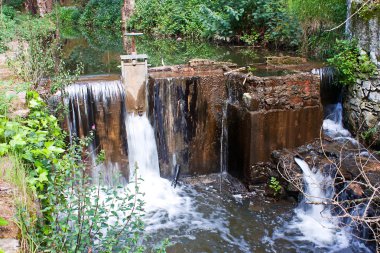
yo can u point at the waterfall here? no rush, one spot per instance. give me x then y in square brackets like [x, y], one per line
[313, 221]
[348, 22]
[97, 109]
[333, 123]
[331, 96]
[224, 142]
[142, 149]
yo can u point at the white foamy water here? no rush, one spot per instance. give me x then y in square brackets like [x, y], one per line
[333, 125]
[164, 205]
[313, 221]
[169, 209]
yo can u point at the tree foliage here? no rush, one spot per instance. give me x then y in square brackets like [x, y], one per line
[220, 19]
[351, 63]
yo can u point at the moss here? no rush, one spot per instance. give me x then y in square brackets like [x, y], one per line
[369, 11]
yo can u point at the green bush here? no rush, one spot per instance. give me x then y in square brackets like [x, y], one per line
[9, 11]
[69, 16]
[267, 21]
[100, 14]
[16, 4]
[315, 18]
[350, 63]
[7, 31]
[75, 217]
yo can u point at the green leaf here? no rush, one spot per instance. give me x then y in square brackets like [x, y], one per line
[3, 222]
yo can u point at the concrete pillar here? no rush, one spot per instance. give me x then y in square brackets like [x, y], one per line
[134, 69]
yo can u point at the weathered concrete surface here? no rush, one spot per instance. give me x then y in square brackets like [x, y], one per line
[267, 114]
[185, 107]
[277, 92]
[134, 77]
[254, 135]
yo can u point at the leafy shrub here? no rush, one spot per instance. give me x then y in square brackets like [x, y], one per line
[9, 11]
[78, 215]
[7, 31]
[16, 4]
[69, 15]
[102, 14]
[350, 63]
[267, 21]
[315, 17]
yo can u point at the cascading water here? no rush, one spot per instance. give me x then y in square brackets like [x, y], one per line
[314, 221]
[331, 96]
[168, 210]
[348, 22]
[97, 108]
[223, 145]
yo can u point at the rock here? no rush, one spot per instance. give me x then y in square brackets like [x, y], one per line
[366, 85]
[374, 96]
[9, 245]
[251, 101]
[356, 189]
[370, 119]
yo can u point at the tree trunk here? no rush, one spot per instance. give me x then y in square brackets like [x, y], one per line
[126, 13]
[31, 6]
[44, 7]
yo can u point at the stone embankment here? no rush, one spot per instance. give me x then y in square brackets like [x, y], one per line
[362, 103]
[362, 100]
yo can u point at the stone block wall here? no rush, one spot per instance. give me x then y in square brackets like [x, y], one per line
[362, 100]
[362, 105]
[366, 30]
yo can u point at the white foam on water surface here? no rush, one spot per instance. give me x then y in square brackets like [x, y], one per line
[166, 207]
[313, 220]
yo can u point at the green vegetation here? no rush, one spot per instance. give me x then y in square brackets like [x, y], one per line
[14, 25]
[274, 184]
[369, 10]
[75, 212]
[257, 22]
[291, 24]
[74, 217]
[315, 18]
[350, 63]
[3, 222]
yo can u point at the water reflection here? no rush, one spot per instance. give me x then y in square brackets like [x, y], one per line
[100, 52]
